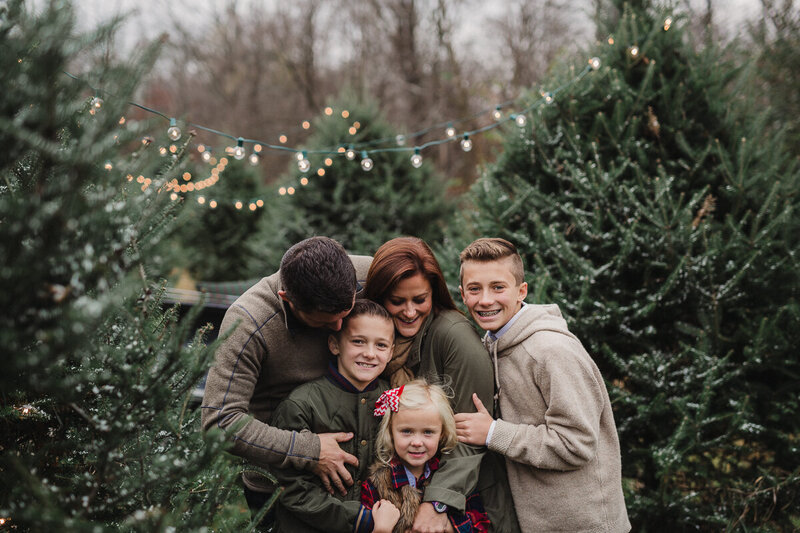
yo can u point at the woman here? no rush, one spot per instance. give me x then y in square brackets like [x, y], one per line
[434, 340]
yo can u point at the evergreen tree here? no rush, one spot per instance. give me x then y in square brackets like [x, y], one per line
[217, 242]
[363, 209]
[665, 225]
[96, 432]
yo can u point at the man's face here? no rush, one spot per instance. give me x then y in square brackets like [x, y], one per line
[317, 319]
[490, 292]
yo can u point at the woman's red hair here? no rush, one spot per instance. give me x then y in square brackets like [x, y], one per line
[401, 258]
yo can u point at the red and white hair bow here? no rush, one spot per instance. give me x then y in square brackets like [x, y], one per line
[389, 401]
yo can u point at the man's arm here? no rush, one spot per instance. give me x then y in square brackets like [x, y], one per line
[229, 389]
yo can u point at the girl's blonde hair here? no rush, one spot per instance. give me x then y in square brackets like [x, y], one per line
[419, 394]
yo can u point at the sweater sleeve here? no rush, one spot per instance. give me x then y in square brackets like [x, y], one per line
[304, 496]
[229, 388]
[461, 357]
[567, 439]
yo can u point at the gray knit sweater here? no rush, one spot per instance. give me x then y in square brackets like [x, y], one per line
[556, 429]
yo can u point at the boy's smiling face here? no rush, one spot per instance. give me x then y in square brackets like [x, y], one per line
[363, 348]
[490, 292]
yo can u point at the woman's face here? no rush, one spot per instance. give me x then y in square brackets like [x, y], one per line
[410, 303]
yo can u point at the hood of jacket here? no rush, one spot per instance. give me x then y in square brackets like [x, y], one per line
[535, 318]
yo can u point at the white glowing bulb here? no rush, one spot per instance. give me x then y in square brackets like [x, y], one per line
[300, 156]
[400, 139]
[206, 156]
[97, 102]
[594, 63]
[238, 150]
[173, 132]
[633, 51]
[366, 162]
[466, 143]
[254, 158]
[416, 159]
[303, 165]
[450, 131]
[521, 119]
[548, 98]
[497, 113]
[350, 154]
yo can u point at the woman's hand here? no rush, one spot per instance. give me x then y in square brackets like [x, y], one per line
[472, 428]
[385, 515]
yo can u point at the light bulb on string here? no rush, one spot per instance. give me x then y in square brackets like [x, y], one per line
[206, 155]
[350, 153]
[633, 51]
[253, 159]
[497, 113]
[466, 143]
[416, 159]
[667, 23]
[173, 132]
[450, 131]
[521, 119]
[238, 151]
[594, 63]
[303, 164]
[548, 98]
[400, 140]
[96, 103]
[366, 162]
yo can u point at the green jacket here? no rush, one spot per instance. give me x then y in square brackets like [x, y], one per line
[447, 346]
[322, 406]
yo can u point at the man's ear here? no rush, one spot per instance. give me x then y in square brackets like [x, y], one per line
[283, 297]
[333, 344]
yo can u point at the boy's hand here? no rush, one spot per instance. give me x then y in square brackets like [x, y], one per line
[385, 515]
[472, 428]
[332, 459]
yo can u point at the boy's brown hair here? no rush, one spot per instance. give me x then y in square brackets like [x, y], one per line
[493, 249]
[362, 306]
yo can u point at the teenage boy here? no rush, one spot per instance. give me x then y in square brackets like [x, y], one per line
[342, 400]
[278, 340]
[556, 429]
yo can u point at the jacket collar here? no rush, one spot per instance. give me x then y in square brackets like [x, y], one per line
[342, 382]
[400, 476]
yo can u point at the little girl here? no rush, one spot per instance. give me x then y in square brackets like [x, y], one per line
[417, 428]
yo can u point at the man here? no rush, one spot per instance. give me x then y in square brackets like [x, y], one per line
[279, 340]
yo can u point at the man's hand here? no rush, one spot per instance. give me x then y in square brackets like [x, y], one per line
[385, 515]
[472, 428]
[332, 459]
[429, 521]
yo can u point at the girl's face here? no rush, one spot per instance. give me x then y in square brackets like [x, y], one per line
[416, 434]
[410, 303]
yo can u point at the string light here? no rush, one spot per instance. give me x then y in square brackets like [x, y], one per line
[350, 153]
[548, 98]
[667, 23]
[366, 162]
[497, 113]
[466, 143]
[450, 131]
[206, 155]
[253, 159]
[173, 132]
[96, 104]
[303, 164]
[238, 151]
[594, 63]
[400, 140]
[633, 51]
[416, 159]
[212, 204]
[521, 119]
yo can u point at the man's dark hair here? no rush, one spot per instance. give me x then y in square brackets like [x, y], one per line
[317, 275]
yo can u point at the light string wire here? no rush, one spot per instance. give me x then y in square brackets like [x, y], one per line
[376, 142]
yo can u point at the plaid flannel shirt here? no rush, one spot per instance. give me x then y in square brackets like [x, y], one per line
[473, 520]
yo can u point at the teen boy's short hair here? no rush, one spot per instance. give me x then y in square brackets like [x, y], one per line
[318, 275]
[493, 249]
[369, 308]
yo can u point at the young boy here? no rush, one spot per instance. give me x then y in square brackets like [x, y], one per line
[556, 429]
[341, 401]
